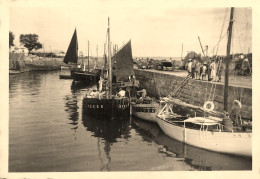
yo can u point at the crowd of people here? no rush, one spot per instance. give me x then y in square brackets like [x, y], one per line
[211, 70]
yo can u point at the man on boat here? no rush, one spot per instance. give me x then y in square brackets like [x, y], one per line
[94, 94]
[121, 93]
[143, 92]
[235, 114]
[100, 84]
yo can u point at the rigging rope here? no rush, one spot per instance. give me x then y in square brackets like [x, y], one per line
[219, 41]
[221, 31]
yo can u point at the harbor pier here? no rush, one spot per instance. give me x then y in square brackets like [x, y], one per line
[161, 83]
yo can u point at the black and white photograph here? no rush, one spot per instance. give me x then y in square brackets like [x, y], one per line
[110, 86]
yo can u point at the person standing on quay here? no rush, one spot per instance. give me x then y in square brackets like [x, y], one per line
[197, 70]
[209, 70]
[193, 64]
[189, 67]
[213, 70]
[204, 71]
[173, 65]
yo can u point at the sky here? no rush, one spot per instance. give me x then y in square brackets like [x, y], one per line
[155, 29]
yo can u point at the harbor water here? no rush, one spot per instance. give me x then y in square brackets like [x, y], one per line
[48, 131]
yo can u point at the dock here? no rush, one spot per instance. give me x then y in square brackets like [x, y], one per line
[161, 83]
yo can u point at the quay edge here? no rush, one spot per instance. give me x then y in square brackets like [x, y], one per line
[160, 84]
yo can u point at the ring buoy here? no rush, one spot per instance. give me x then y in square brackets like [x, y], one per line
[208, 106]
[237, 104]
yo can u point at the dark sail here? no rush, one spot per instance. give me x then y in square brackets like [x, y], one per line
[122, 63]
[72, 52]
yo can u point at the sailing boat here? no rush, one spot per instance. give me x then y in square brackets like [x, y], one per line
[89, 76]
[71, 57]
[211, 133]
[123, 68]
[103, 104]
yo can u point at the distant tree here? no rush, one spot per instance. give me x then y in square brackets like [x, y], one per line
[30, 41]
[11, 39]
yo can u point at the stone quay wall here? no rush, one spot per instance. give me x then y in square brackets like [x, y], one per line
[16, 61]
[195, 92]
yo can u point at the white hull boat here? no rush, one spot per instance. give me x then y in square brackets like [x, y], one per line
[145, 111]
[218, 140]
[211, 133]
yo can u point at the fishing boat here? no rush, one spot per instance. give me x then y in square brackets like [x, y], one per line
[208, 132]
[87, 76]
[103, 103]
[91, 77]
[145, 108]
[71, 59]
[123, 75]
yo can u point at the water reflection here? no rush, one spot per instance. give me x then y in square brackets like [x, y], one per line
[79, 86]
[31, 83]
[199, 159]
[107, 132]
[71, 108]
[72, 101]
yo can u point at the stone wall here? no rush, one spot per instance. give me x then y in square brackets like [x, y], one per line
[195, 92]
[16, 61]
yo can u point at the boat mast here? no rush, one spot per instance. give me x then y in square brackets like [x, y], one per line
[88, 56]
[228, 59]
[97, 58]
[109, 61]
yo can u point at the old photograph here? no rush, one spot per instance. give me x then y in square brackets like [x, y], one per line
[122, 86]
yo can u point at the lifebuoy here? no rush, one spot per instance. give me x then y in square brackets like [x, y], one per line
[237, 104]
[208, 106]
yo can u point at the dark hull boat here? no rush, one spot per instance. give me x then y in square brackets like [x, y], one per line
[102, 103]
[65, 77]
[87, 77]
[106, 108]
[84, 77]
[70, 72]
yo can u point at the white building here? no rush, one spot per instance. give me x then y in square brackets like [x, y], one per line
[18, 49]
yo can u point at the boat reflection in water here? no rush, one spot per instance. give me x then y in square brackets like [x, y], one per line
[71, 107]
[71, 103]
[77, 86]
[107, 132]
[198, 158]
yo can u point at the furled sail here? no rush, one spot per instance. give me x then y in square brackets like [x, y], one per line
[72, 52]
[122, 63]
